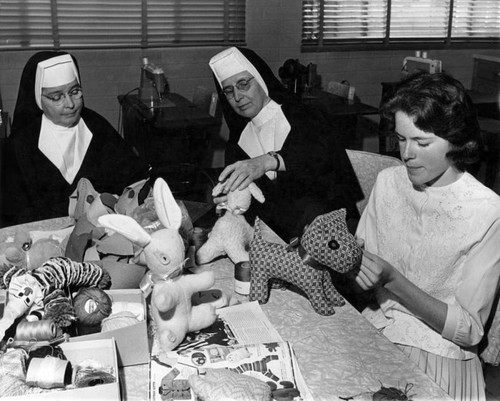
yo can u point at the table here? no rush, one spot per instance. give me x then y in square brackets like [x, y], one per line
[340, 355]
[173, 132]
[341, 114]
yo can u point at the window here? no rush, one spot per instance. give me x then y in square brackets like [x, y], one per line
[371, 24]
[38, 24]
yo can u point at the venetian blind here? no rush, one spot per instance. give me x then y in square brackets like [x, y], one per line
[327, 22]
[120, 23]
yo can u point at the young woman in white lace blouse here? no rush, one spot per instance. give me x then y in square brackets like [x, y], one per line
[431, 235]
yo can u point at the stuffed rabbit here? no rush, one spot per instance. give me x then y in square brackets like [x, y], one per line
[163, 252]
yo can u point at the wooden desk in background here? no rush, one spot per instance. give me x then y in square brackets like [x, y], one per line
[173, 133]
[341, 355]
[342, 114]
[173, 139]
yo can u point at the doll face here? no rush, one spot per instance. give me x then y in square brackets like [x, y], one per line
[247, 101]
[424, 154]
[63, 104]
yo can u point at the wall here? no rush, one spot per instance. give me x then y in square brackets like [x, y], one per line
[273, 30]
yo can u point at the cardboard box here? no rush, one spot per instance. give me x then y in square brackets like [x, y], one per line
[132, 341]
[102, 351]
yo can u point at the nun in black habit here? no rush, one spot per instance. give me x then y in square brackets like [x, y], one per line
[56, 140]
[285, 147]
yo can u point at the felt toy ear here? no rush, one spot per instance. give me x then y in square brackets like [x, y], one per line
[217, 190]
[166, 206]
[256, 192]
[127, 227]
[129, 199]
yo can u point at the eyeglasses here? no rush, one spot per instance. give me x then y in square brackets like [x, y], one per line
[242, 85]
[58, 98]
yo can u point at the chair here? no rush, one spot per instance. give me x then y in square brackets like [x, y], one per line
[343, 89]
[490, 131]
[367, 165]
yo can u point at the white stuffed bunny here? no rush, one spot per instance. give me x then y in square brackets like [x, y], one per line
[163, 252]
[231, 234]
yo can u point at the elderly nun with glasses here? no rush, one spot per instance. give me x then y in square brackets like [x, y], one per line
[283, 146]
[56, 140]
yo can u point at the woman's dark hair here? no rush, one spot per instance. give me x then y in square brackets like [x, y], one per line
[439, 104]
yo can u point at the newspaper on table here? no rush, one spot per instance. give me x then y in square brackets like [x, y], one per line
[242, 340]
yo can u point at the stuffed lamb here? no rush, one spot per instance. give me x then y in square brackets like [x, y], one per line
[231, 234]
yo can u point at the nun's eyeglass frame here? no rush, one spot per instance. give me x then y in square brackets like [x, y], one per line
[242, 85]
[58, 98]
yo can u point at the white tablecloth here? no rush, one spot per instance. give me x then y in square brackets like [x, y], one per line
[339, 355]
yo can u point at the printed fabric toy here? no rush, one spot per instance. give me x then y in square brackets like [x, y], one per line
[163, 252]
[326, 244]
[231, 234]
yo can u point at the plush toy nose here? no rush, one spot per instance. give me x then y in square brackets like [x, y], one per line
[164, 259]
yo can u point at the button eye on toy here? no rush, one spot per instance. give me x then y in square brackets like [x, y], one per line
[333, 244]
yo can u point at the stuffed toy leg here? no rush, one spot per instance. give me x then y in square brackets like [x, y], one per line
[173, 312]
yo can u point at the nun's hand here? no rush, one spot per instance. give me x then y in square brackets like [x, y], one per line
[241, 174]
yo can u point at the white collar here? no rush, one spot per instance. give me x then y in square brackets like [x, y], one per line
[64, 147]
[267, 112]
[266, 132]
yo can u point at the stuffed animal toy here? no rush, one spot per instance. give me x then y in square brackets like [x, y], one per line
[326, 244]
[223, 384]
[172, 310]
[26, 253]
[30, 291]
[162, 251]
[89, 241]
[231, 234]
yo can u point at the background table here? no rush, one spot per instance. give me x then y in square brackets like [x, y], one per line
[174, 132]
[340, 355]
[341, 114]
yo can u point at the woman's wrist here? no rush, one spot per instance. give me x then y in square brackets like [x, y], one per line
[276, 161]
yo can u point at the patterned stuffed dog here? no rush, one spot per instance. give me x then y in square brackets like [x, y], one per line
[326, 244]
